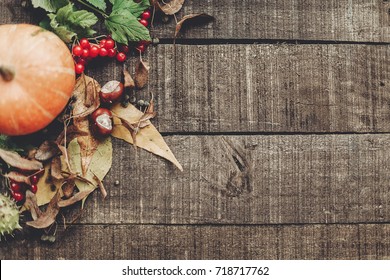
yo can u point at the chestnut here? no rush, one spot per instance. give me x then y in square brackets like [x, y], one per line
[102, 121]
[111, 92]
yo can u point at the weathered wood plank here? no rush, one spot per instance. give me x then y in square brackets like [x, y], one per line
[271, 88]
[287, 179]
[289, 19]
[342, 20]
[317, 242]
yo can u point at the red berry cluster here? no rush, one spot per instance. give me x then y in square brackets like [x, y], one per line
[18, 190]
[85, 50]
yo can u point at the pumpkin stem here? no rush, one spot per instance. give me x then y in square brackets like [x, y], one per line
[7, 73]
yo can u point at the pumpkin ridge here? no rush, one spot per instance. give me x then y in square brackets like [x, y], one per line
[53, 90]
[51, 69]
[43, 110]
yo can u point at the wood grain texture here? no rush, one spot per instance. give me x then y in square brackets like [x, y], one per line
[358, 241]
[268, 88]
[343, 20]
[281, 179]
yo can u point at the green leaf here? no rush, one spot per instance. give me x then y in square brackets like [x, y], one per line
[6, 143]
[49, 5]
[125, 27]
[135, 8]
[68, 23]
[100, 4]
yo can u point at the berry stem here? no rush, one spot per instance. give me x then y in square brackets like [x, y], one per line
[7, 73]
[104, 15]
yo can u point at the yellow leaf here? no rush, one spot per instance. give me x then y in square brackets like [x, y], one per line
[148, 138]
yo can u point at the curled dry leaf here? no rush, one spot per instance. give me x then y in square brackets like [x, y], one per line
[15, 160]
[49, 216]
[46, 151]
[191, 17]
[55, 168]
[87, 101]
[128, 80]
[172, 7]
[71, 133]
[31, 205]
[141, 74]
[148, 138]
[18, 177]
[101, 186]
[69, 185]
[75, 198]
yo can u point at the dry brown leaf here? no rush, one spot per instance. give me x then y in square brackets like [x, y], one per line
[49, 216]
[87, 101]
[186, 18]
[86, 94]
[172, 7]
[128, 80]
[15, 160]
[101, 186]
[141, 74]
[18, 177]
[148, 138]
[77, 197]
[71, 133]
[32, 205]
[46, 151]
[46, 187]
[55, 168]
[69, 185]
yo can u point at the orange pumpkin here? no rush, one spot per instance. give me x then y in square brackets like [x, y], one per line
[37, 78]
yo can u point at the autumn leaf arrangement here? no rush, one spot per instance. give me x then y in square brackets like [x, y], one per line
[74, 153]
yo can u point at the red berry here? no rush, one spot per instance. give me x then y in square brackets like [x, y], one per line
[109, 36]
[144, 22]
[16, 187]
[124, 49]
[103, 52]
[146, 15]
[121, 57]
[142, 47]
[34, 179]
[79, 68]
[18, 196]
[77, 50]
[110, 44]
[102, 43]
[85, 53]
[34, 188]
[81, 61]
[111, 52]
[94, 51]
[84, 43]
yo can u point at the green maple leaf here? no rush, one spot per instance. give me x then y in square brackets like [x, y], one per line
[49, 5]
[100, 4]
[124, 25]
[68, 23]
[135, 8]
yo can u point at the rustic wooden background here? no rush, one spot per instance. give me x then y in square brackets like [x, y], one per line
[279, 112]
